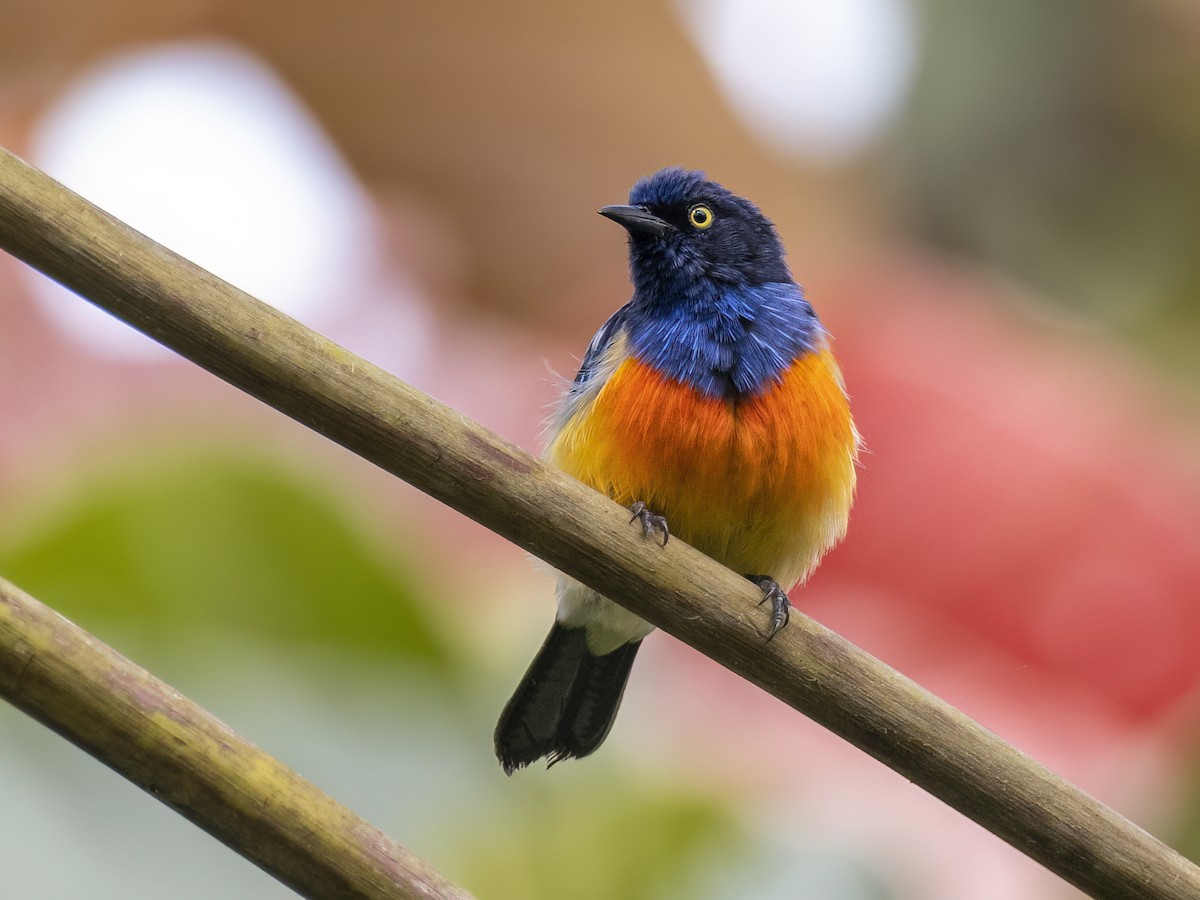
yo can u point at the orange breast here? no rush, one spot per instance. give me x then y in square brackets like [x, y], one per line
[763, 485]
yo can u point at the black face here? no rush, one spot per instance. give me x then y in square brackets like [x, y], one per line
[679, 221]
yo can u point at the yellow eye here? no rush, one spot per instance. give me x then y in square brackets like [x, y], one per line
[700, 216]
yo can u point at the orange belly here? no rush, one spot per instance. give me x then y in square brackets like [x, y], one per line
[763, 485]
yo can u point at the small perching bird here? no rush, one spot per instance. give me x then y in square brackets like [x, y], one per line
[711, 405]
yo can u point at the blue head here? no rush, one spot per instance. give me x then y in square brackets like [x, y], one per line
[689, 234]
[714, 304]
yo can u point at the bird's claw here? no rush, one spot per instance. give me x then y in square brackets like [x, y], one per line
[781, 606]
[651, 522]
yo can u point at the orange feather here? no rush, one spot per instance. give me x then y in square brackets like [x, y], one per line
[763, 484]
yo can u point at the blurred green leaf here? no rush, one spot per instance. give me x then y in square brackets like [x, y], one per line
[1187, 833]
[596, 840]
[1058, 143]
[175, 547]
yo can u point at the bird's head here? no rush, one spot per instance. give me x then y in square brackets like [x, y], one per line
[687, 233]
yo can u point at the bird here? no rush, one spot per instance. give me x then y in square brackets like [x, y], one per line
[712, 407]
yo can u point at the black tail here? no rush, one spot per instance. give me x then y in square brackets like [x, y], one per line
[566, 703]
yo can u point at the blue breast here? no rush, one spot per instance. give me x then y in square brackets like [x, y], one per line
[725, 341]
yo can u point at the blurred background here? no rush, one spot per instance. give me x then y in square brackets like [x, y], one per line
[996, 210]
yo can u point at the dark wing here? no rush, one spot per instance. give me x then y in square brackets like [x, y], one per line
[595, 350]
[592, 373]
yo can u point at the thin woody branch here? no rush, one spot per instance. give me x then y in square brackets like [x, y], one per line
[582, 533]
[183, 756]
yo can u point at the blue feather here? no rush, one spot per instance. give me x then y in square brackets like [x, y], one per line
[736, 343]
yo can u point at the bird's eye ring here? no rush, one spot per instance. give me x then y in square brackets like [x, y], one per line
[701, 217]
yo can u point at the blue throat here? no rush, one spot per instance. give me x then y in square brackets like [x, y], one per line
[727, 340]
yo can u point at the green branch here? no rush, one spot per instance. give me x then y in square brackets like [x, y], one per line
[582, 533]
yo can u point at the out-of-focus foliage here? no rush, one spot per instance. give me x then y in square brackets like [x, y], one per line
[602, 839]
[1186, 837]
[1059, 143]
[220, 542]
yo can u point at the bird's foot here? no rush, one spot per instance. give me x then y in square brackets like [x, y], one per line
[652, 524]
[781, 606]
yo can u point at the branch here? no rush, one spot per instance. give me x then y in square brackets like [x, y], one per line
[582, 533]
[197, 765]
